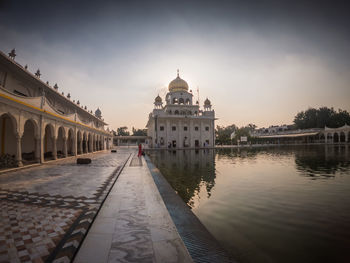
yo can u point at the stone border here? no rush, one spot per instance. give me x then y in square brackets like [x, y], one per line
[200, 243]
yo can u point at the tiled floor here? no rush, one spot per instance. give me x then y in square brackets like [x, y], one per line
[46, 210]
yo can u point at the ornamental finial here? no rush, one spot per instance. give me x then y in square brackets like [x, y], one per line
[178, 73]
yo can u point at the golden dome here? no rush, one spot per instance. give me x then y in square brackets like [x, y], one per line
[178, 84]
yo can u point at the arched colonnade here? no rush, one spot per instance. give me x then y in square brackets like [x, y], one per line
[30, 139]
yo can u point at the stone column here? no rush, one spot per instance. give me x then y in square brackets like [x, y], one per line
[37, 142]
[65, 150]
[18, 150]
[54, 151]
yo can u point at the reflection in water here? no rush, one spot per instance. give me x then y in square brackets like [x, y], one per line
[273, 204]
[176, 166]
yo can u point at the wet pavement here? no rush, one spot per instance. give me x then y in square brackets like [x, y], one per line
[46, 210]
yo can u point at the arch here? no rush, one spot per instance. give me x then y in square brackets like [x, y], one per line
[49, 142]
[79, 142]
[174, 100]
[329, 137]
[84, 142]
[188, 101]
[342, 137]
[70, 142]
[335, 137]
[89, 144]
[99, 142]
[29, 146]
[181, 101]
[8, 141]
[321, 138]
[61, 143]
[176, 112]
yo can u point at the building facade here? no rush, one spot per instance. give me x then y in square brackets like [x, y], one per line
[38, 123]
[180, 123]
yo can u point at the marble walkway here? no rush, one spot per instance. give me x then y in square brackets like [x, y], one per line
[133, 224]
[46, 210]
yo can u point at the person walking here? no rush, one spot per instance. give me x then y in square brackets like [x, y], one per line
[140, 150]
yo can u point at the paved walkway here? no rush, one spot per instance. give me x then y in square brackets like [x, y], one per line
[46, 210]
[133, 224]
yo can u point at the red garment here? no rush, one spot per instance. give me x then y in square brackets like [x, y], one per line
[140, 151]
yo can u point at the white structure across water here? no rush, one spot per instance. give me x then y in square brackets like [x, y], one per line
[38, 123]
[180, 123]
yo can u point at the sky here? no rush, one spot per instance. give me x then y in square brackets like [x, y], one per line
[258, 62]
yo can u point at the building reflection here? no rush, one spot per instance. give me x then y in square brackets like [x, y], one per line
[187, 171]
[322, 161]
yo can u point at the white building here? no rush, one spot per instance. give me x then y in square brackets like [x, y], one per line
[39, 123]
[180, 123]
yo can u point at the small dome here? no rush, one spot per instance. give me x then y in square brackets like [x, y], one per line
[98, 113]
[178, 84]
[158, 99]
[207, 102]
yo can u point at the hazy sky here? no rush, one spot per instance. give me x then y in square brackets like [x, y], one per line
[257, 62]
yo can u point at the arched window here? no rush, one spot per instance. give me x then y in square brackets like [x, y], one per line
[176, 112]
[181, 101]
[187, 101]
[174, 100]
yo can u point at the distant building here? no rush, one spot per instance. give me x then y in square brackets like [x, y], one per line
[180, 123]
[38, 123]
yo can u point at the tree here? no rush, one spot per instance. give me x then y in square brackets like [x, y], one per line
[223, 134]
[139, 132]
[123, 131]
[319, 118]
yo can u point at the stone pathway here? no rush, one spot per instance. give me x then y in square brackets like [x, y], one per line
[133, 224]
[47, 210]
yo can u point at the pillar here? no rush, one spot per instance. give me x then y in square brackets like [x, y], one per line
[18, 150]
[54, 151]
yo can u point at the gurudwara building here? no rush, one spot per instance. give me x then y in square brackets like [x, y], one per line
[38, 123]
[180, 123]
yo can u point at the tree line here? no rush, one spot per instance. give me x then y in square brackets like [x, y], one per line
[321, 117]
[123, 131]
[310, 118]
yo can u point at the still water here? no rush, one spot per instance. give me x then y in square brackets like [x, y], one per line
[282, 204]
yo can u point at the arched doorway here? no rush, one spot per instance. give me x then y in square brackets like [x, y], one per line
[342, 137]
[30, 151]
[322, 138]
[329, 138]
[89, 143]
[49, 143]
[61, 144]
[8, 142]
[84, 142]
[100, 142]
[79, 142]
[335, 137]
[70, 142]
